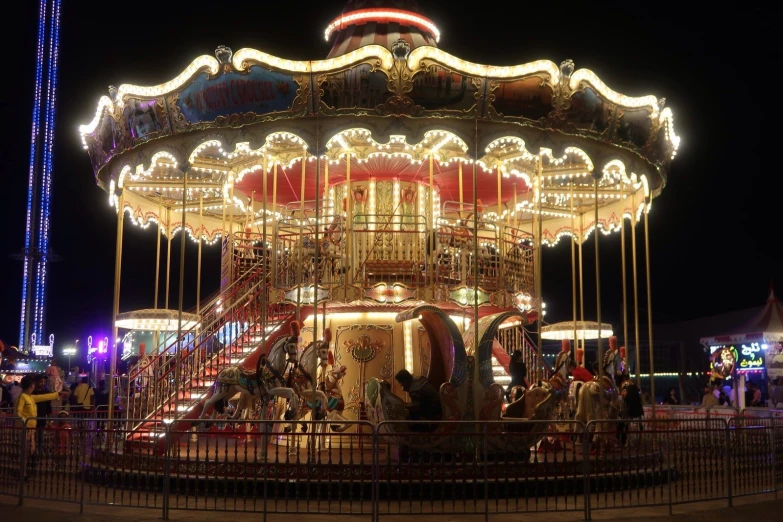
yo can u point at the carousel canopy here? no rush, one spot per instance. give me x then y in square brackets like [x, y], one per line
[585, 330]
[766, 326]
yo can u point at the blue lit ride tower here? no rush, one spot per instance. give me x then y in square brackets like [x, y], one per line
[37, 254]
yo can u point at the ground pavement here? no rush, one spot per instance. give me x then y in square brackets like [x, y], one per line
[759, 508]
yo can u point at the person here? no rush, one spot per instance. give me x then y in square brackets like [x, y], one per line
[6, 399]
[16, 391]
[27, 410]
[580, 373]
[425, 401]
[776, 398]
[84, 394]
[723, 400]
[518, 371]
[671, 398]
[756, 398]
[645, 398]
[709, 400]
[631, 409]
[727, 391]
[44, 408]
[102, 401]
[62, 439]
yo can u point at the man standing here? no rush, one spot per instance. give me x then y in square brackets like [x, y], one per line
[44, 408]
[425, 401]
[84, 394]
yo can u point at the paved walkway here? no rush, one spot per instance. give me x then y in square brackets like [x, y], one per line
[758, 508]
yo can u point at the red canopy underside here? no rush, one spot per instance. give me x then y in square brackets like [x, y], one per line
[446, 178]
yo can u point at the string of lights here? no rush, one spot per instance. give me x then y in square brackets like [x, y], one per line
[37, 254]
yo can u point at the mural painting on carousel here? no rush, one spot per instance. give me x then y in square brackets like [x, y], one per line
[366, 350]
[146, 119]
[589, 112]
[438, 88]
[357, 88]
[259, 92]
[527, 98]
[634, 126]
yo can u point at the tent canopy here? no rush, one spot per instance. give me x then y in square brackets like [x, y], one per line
[766, 326]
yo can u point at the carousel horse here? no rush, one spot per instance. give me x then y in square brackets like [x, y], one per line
[265, 383]
[301, 380]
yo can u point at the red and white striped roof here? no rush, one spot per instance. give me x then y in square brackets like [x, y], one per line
[381, 23]
[767, 325]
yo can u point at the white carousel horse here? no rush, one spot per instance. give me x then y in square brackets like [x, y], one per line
[263, 384]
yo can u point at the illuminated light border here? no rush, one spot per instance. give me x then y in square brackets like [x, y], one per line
[160, 320]
[588, 76]
[382, 15]
[207, 62]
[103, 103]
[586, 330]
[667, 120]
[475, 69]
[243, 59]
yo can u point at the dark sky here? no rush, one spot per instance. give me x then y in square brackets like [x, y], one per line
[715, 231]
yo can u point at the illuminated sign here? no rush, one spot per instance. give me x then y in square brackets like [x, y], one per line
[749, 356]
[42, 350]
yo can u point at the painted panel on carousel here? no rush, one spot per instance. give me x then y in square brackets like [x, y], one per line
[146, 119]
[634, 127]
[257, 92]
[107, 139]
[527, 98]
[440, 90]
[589, 112]
[367, 351]
[352, 90]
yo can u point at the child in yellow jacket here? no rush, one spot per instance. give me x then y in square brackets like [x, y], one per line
[27, 410]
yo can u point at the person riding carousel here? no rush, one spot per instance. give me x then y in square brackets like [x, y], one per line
[425, 401]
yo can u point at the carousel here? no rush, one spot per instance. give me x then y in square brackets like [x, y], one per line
[383, 209]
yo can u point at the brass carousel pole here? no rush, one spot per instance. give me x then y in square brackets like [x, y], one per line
[316, 273]
[200, 240]
[265, 250]
[600, 354]
[157, 251]
[475, 241]
[178, 357]
[581, 285]
[116, 303]
[431, 239]
[635, 302]
[274, 189]
[168, 256]
[349, 224]
[625, 294]
[461, 197]
[649, 306]
[516, 216]
[300, 272]
[538, 272]
[574, 238]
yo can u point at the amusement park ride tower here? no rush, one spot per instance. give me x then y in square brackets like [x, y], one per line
[393, 193]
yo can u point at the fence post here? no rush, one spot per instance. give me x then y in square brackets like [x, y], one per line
[376, 511]
[728, 463]
[586, 470]
[669, 466]
[773, 450]
[23, 463]
[486, 473]
[83, 474]
[166, 469]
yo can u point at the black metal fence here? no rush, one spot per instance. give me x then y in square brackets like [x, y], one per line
[393, 469]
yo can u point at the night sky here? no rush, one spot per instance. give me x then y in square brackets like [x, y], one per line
[715, 232]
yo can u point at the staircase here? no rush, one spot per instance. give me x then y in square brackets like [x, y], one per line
[173, 385]
[510, 340]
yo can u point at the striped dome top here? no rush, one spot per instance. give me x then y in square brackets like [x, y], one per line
[380, 22]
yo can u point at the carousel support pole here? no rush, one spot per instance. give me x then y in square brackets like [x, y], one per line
[274, 190]
[266, 250]
[431, 238]
[300, 272]
[475, 240]
[539, 275]
[326, 179]
[573, 268]
[178, 358]
[200, 239]
[635, 303]
[581, 284]
[625, 294]
[168, 256]
[600, 354]
[316, 272]
[116, 303]
[516, 218]
[231, 236]
[649, 306]
[157, 253]
[349, 225]
[500, 194]
[461, 195]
